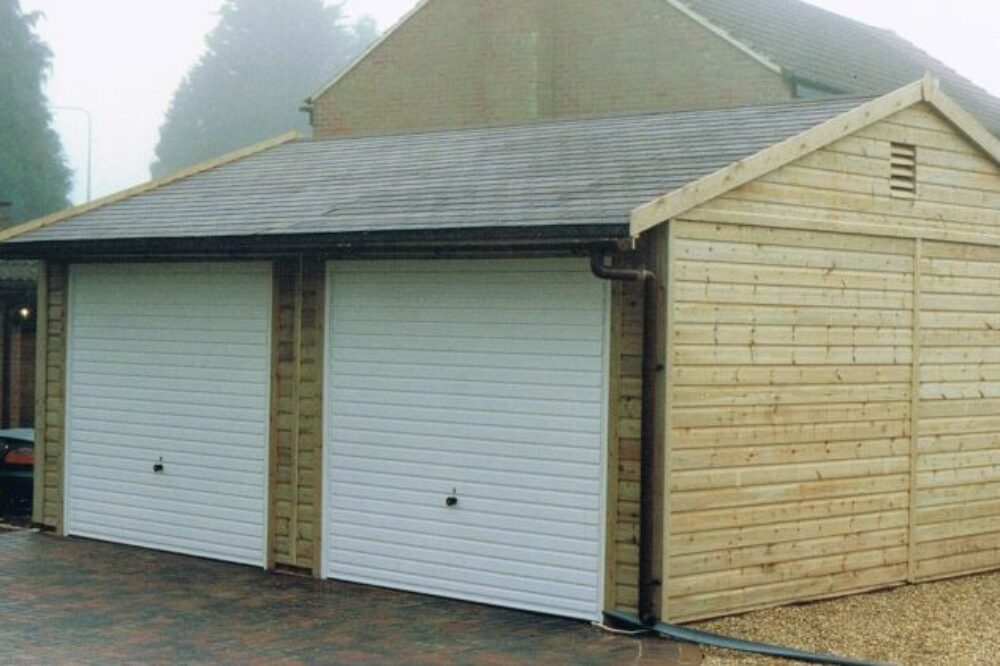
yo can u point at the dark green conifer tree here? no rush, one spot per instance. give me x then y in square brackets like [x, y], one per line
[261, 62]
[33, 172]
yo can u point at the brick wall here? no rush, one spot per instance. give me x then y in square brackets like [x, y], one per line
[20, 357]
[459, 63]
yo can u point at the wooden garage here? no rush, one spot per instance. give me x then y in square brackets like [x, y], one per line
[831, 417]
[776, 380]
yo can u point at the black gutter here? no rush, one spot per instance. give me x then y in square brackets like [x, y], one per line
[484, 239]
[649, 582]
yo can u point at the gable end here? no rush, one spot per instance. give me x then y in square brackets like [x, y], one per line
[720, 183]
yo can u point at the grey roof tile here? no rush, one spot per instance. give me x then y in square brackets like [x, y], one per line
[833, 50]
[581, 172]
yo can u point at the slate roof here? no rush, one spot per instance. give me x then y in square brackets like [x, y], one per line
[825, 48]
[580, 172]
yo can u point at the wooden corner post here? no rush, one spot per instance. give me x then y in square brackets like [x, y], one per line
[915, 346]
[41, 357]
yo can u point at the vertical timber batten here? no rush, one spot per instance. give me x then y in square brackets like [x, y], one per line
[614, 397]
[627, 402]
[41, 354]
[314, 377]
[666, 271]
[280, 495]
[273, 427]
[295, 528]
[50, 398]
[915, 413]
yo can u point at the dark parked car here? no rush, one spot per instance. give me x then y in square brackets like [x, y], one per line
[17, 465]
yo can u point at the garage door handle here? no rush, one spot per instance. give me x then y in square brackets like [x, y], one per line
[451, 501]
[158, 467]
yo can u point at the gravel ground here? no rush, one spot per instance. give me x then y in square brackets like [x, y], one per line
[953, 622]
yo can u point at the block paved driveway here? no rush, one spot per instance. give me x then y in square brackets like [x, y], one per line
[72, 601]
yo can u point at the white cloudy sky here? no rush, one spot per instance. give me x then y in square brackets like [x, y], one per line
[122, 60]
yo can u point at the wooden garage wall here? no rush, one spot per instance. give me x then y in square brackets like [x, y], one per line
[622, 587]
[957, 518]
[821, 330]
[296, 427]
[50, 373]
[790, 378]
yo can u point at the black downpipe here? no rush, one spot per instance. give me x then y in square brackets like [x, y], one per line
[648, 577]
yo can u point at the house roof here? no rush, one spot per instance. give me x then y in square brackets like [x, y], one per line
[826, 49]
[555, 174]
[808, 44]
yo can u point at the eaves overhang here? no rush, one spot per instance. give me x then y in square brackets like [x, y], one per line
[485, 241]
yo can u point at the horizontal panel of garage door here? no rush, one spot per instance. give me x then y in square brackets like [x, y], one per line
[168, 388]
[481, 381]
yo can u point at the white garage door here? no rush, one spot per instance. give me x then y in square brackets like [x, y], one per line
[169, 365]
[481, 381]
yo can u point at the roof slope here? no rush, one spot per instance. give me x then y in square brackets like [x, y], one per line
[582, 172]
[818, 46]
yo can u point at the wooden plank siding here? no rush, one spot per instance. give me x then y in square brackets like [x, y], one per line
[50, 397]
[297, 429]
[790, 389]
[846, 185]
[806, 313]
[957, 518]
[624, 431]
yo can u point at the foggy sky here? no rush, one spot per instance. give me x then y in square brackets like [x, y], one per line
[123, 59]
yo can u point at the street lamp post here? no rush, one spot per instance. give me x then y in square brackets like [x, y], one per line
[90, 140]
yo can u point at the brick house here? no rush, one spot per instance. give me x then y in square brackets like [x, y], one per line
[459, 63]
[17, 338]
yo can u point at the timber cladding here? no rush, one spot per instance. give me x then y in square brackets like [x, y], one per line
[50, 395]
[624, 430]
[791, 370]
[297, 430]
[833, 407]
[957, 518]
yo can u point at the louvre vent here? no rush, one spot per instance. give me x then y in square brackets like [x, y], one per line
[903, 178]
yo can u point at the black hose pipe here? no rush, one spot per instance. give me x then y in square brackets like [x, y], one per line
[698, 637]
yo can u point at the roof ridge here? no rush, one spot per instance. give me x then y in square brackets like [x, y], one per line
[747, 48]
[381, 39]
[880, 58]
[548, 122]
